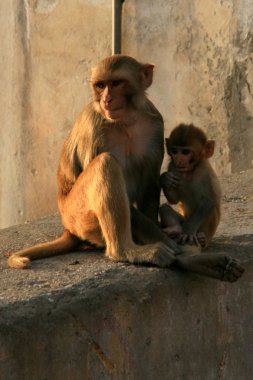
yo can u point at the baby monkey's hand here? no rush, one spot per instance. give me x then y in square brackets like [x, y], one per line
[170, 180]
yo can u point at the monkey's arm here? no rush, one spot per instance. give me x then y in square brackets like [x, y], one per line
[170, 185]
[79, 149]
[149, 198]
[191, 227]
[199, 215]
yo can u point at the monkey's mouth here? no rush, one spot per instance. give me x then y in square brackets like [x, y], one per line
[184, 169]
[109, 108]
[113, 113]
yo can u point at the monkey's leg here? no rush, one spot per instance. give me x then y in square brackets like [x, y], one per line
[208, 228]
[115, 223]
[218, 266]
[100, 193]
[170, 220]
[145, 231]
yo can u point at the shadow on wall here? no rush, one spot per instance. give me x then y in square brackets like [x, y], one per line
[238, 100]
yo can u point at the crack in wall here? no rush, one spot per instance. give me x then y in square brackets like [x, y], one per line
[240, 120]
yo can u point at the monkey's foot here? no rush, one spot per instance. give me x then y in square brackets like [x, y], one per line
[232, 270]
[18, 262]
[202, 239]
[218, 266]
[155, 254]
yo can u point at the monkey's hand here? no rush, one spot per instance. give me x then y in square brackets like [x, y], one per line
[189, 235]
[191, 239]
[169, 180]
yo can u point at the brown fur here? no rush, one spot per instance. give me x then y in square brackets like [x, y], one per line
[108, 177]
[194, 186]
[106, 165]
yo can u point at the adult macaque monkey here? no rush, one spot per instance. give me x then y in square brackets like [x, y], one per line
[108, 178]
[191, 182]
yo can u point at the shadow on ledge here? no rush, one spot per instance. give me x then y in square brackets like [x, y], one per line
[81, 316]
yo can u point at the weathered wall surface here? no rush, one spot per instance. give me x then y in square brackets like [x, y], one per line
[203, 56]
[203, 53]
[81, 316]
[126, 323]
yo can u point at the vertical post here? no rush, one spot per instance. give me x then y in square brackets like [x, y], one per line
[116, 25]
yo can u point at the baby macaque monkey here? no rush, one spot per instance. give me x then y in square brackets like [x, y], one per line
[191, 183]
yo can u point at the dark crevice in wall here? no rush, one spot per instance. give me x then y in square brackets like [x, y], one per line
[240, 121]
[23, 31]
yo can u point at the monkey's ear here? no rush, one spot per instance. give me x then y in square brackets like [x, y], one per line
[148, 70]
[209, 148]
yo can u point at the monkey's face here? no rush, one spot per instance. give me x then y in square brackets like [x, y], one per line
[183, 158]
[112, 97]
[118, 85]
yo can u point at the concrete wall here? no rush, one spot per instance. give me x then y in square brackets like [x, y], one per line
[203, 53]
[83, 317]
[131, 324]
[48, 49]
[203, 56]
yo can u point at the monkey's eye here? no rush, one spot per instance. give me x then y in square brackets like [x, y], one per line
[117, 82]
[173, 151]
[186, 151]
[100, 86]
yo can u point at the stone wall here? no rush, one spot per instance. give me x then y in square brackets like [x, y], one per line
[81, 316]
[203, 56]
[129, 324]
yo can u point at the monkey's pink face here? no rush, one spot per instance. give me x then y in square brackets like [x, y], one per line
[183, 158]
[112, 98]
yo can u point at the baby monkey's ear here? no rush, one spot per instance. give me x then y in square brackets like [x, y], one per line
[208, 150]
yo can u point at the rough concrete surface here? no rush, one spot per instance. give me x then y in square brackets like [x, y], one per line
[80, 316]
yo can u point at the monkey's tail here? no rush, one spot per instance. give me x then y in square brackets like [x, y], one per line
[64, 244]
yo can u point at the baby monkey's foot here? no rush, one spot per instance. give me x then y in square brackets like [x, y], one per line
[202, 239]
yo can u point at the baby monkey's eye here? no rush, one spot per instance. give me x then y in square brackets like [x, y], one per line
[186, 151]
[173, 151]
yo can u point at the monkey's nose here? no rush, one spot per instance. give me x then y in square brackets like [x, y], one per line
[107, 102]
[107, 98]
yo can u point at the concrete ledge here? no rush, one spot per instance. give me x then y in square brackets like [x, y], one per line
[81, 316]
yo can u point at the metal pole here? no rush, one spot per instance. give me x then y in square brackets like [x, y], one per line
[116, 25]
